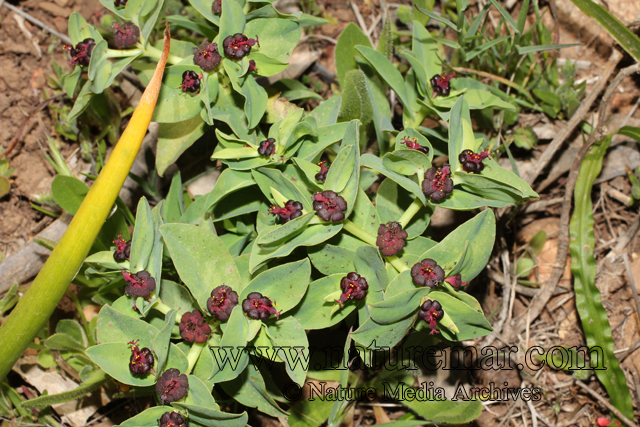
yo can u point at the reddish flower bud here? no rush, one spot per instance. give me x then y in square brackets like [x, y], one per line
[427, 273]
[413, 144]
[123, 248]
[81, 54]
[258, 307]
[437, 183]
[172, 419]
[223, 300]
[391, 238]
[330, 206]
[194, 327]
[238, 45]
[140, 284]
[126, 35]
[252, 66]
[190, 81]
[456, 282]
[353, 287]
[216, 7]
[141, 361]
[322, 175]
[441, 84]
[431, 312]
[472, 162]
[291, 210]
[267, 147]
[206, 56]
[172, 386]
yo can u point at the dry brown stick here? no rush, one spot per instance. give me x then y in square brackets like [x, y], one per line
[604, 401]
[39, 107]
[632, 283]
[540, 300]
[577, 117]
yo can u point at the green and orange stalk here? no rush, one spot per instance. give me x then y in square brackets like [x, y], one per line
[42, 297]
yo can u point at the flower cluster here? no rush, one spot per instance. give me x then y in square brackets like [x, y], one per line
[223, 300]
[291, 210]
[267, 147]
[126, 34]
[206, 56]
[391, 238]
[194, 327]
[456, 282]
[427, 273]
[437, 183]
[259, 307]
[413, 144]
[472, 162]
[330, 206]
[441, 84]
[172, 386]
[238, 45]
[123, 248]
[216, 7]
[141, 361]
[190, 81]
[140, 284]
[322, 175]
[431, 312]
[81, 53]
[172, 419]
[353, 287]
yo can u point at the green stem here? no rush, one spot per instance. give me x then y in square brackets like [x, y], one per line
[154, 53]
[194, 355]
[85, 323]
[359, 232]
[397, 264]
[164, 309]
[410, 213]
[122, 53]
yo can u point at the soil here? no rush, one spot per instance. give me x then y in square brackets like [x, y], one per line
[23, 85]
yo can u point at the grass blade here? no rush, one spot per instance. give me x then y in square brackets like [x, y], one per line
[93, 383]
[437, 17]
[507, 17]
[583, 266]
[623, 35]
[529, 49]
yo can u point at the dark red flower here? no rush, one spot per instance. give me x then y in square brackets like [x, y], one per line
[353, 287]
[472, 162]
[391, 238]
[216, 7]
[259, 307]
[291, 210]
[267, 147]
[413, 144]
[437, 183]
[456, 282]
[252, 66]
[431, 312]
[141, 361]
[322, 175]
[126, 35]
[223, 300]
[190, 81]
[172, 386]
[330, 206]
[81, 54]
[441, 84]
[427, 273]
[119, 3]
[194, 327]
[140, 284]
[238, 45]
[123, 248]
[172, 419]
[206, 56]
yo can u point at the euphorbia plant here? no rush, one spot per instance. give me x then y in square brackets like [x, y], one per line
[38, 303]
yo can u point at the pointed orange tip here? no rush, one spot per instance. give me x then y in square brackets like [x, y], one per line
[150, 95]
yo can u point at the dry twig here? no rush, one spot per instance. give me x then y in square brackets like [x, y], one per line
[606, 403]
